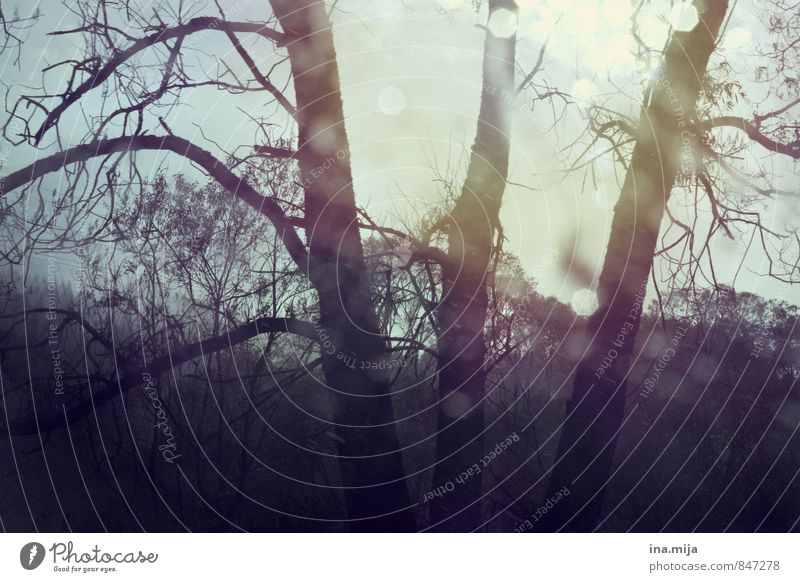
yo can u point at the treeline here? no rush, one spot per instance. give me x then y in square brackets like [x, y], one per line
[708, 440]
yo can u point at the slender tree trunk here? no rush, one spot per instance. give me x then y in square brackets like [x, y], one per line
[370, 459]
[462, 311]
[596, 407]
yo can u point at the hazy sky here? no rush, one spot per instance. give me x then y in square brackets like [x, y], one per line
[428, 63]
[411, 87]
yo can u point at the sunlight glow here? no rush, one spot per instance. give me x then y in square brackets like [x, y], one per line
[583, 90]
[617, 51]
[645, 66]
[652, 30]
[586, 17]
[617, 12]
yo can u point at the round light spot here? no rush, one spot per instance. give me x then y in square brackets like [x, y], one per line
[684, 16]
[456, 405]
[584, 302]
[503, 23]
[391, 101]
[652, 30]
[617, 52]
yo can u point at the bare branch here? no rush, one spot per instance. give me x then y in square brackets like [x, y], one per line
[216, 169]
[33, 423]
[162, 35]
[791, 149]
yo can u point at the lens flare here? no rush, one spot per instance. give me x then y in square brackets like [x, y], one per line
[584, 302]
[583, 90]
[391, 101]
[737, 38]
[684, 16]
[503, 23]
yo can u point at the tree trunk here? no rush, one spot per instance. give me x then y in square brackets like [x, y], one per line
[371, 463]
[596, 407]
[462, 311]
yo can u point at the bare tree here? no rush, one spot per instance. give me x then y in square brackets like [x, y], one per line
[596, 407]
[472, 227]
[331, 257]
